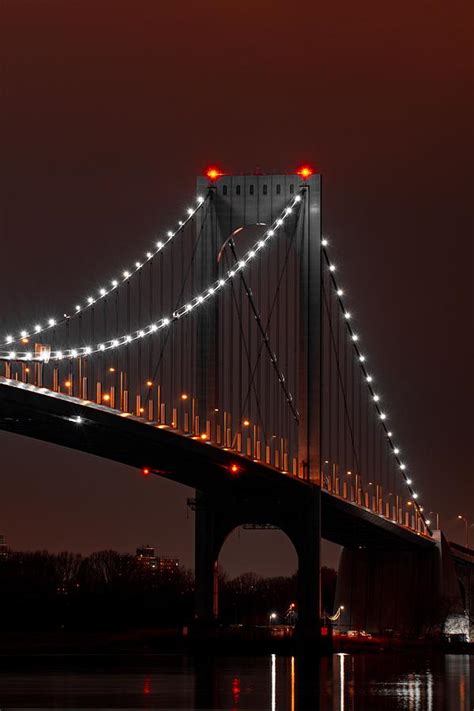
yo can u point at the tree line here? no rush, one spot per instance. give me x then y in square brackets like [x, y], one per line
[108, 591]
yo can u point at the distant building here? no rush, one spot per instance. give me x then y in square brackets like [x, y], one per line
[3, 546]
[165, 566]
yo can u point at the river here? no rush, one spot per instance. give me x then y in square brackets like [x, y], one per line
[343, 682]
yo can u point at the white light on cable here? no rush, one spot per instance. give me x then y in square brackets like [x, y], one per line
[332, 267]
[396, 450]
[23, 334]
[409, 481]
[52, 322]
[376, 398]
[324, 242]
[347, 315]
[383, 416]
[340, 292]
[355, 337]
[402, 467]
[369, 378]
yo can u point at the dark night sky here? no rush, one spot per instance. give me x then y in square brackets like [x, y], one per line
[108, 112]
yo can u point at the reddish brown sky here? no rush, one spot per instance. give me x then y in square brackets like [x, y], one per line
[110, 109]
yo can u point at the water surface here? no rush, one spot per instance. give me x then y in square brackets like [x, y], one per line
[363, 682]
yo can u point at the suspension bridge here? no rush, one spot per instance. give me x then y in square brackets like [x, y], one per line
[225, 358]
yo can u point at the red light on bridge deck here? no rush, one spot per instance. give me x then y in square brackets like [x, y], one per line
[213, 173]
[305, 172]
[145, 471]
[234, 468]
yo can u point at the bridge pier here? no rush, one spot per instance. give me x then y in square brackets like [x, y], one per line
[298, 517]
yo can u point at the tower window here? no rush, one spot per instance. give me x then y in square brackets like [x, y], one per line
[292, 189]
[251, 190]
[224, 190]
[265, 189]
[278, 189]
[237, 190]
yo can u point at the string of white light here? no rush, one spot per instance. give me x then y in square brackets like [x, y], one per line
[164, 322]
[354, 338]
[115, 284]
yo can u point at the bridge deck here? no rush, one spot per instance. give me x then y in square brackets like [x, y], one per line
[52, 417]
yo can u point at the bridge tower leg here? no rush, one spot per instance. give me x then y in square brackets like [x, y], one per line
[205, 565]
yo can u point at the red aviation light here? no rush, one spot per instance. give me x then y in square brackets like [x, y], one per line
[213, 173]
[145, 471]
[305, 172]
[234, 469]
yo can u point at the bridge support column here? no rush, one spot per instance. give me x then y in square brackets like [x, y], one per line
[308, 543]
[205, 562]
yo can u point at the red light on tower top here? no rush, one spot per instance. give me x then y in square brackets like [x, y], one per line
[145, 471]
[213, 173]
[305, 172]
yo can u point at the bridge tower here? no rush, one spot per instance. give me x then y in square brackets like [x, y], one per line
[237, 203]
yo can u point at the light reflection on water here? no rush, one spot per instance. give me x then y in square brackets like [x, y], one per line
[340, 683]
